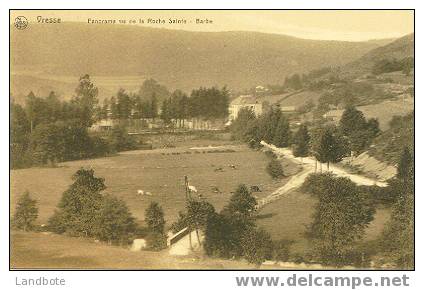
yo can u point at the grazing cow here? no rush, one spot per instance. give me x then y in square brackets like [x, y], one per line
[255, 188]
[215, 189]
[232, 166]
[219, 169]
[192, 189]
[142, 192]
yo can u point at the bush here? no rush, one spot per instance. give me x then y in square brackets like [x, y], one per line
[119, 140]
[257, 246]
[275, 169]
[156, 241]
[281, 250]
[114, 222]
[26, 212]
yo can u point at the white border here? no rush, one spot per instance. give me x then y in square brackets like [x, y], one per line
[176, 279]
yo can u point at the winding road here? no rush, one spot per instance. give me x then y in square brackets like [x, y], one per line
[308, 166]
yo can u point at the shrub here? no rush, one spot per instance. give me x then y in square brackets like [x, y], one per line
[257, 246]
[281, 250]
[114, 222]
[26, 212]
[275, 169]
[156, 241]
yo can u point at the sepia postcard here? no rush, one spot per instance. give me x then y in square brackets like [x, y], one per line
[206, 139]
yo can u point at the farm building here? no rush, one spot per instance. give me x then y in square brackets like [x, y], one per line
[103, 125]
[244, 101]
[185, 242]
[288, 109]
[333, 115]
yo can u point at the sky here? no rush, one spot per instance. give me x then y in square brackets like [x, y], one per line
[348, 25]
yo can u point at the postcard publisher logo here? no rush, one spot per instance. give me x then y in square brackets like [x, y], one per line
[21, 22]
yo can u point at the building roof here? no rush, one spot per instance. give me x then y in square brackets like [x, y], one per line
[245, 100]
[288, 108]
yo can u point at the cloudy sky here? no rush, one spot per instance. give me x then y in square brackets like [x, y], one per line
[330, 25]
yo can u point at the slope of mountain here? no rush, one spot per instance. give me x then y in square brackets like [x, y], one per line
[397, 49]
[178, 59]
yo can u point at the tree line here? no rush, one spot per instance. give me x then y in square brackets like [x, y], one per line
[406, 65]
[203, 103]
[340, 241]
[328, 143]
[50, 130]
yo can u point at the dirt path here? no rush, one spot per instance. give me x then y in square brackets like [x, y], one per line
[308, 166]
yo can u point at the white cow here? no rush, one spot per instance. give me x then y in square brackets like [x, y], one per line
[142, 192]
[192, 189]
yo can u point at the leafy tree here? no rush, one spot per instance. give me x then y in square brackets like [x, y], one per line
[45, 143]
[373, 126]
[26, 212]
[151, 87]
[180, 223]
[219, 237]
[352, 120]
[114, 222]
[197, 216]
[153, 106]
[165, 114]
[35, 109]
[293, 82]
[257, 246]
[114, 109]
[330, 147]
[301, 142]
[397, 241]
[240, 126]
[19, 136]
[357, 129]
[123, 104]
[79, 205]
[86, 100]
[268, 125]
[242, 202]
[282, 133]
[275, 169]
[341, 216]
[281, 250]
[155, 218]
[232, 233]
[119, 139]
[404, 165]
[209, 103]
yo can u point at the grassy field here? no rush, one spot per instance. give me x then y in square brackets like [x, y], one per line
[46, 250]
[159, 171]
[397, 107]
[288, 217]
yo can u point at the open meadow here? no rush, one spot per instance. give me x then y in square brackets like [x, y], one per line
[48, 250]
[160, 172]
[288, 217]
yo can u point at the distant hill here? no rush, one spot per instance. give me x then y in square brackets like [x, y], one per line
[397, 49]
[178, 59]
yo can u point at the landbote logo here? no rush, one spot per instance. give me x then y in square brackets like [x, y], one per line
[21, 22]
